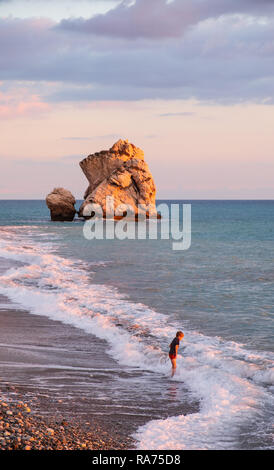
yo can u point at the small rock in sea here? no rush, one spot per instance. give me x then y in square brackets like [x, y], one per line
[61, 204]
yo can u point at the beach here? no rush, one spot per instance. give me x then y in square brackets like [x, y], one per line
[86, 327]
[56, 398]
[22, 429]
[24, 361]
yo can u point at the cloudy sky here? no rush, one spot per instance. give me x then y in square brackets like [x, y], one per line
[189, 81]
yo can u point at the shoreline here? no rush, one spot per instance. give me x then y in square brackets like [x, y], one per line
[63, 374]
[33, 414]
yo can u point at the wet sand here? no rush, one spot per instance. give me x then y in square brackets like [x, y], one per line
[44, 377]
[63, 375]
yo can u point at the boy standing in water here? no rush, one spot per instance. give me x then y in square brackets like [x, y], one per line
[174, 345]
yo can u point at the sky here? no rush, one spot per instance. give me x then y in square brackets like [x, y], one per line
[191, 82]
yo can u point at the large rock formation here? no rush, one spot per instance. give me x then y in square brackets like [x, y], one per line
[61, 204]
[122, 174]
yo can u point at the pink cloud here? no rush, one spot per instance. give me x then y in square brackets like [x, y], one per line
[19, 104]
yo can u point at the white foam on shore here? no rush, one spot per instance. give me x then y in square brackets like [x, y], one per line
[228, 380]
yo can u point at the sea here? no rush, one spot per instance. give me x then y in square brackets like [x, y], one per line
[132, 295]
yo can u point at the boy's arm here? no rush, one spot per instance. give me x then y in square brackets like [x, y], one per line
[176, 349]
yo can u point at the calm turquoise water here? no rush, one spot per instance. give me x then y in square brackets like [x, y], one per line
[220, 292]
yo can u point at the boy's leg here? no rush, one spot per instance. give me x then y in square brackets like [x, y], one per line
[173, 362]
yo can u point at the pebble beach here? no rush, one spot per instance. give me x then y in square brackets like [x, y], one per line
[23, 429]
